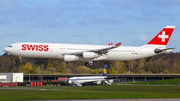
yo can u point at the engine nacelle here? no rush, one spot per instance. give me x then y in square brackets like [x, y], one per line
[71, 57]
[90, 55]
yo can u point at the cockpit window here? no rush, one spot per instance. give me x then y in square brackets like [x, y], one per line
[9, 46]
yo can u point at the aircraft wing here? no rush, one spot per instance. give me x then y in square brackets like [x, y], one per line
[100, 51]
[77, 83]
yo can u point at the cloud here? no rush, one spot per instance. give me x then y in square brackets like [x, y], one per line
[14, 34]
[143, 37]
[74, 41]
[130, 3]
[47, 11]
[143, 18]
[83, 2]
[101, 20]
[78, 35]
[93, 41]
[19, 34]
[115, 28]
[51, 23]
[155, 12]
[28, 18]
[5, 21]
[8, 7]
[4, 34]
[167, 2]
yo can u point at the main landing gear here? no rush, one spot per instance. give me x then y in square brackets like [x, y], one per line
[89, 64]
[20, 59]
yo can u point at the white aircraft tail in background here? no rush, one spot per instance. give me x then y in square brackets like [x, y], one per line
[90, 53]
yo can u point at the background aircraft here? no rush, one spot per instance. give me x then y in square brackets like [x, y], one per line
[87, 79]
[90, 53]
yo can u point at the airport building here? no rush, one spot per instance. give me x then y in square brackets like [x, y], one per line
[11, 77]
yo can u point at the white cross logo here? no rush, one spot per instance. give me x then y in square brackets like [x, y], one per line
[163, 36]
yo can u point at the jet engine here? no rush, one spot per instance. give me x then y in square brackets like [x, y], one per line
[71, 57]
[90, 55]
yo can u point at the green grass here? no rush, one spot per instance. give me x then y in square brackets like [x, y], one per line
[159, 82]
[92, 92]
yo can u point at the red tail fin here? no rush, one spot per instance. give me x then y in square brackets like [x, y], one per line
[163, 37]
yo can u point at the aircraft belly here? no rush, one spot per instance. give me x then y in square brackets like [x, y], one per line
[35, 54]
[123, 56]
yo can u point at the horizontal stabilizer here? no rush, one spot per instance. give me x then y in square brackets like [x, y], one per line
[157, 50]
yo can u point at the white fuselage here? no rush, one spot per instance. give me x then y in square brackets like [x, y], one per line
[54, 50]
[82, 80]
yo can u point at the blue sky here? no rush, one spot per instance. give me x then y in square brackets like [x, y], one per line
[132, 22]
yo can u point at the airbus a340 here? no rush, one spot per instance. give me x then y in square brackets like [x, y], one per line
[90, 53]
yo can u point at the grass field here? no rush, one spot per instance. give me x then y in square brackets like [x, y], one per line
[158, 82]
[91, 92]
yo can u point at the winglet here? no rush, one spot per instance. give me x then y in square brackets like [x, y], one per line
[110, 44]
[104, 72]
[118, 44]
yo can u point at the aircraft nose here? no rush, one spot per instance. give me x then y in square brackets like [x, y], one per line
[5, 49]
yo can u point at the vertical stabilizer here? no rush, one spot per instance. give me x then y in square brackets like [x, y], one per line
[104, 71]
[162, 38]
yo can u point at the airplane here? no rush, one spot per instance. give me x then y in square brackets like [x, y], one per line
[87, 79]
[90, 53]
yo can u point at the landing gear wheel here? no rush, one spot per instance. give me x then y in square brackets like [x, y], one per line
[91, 67]
[87, 64]
[20, 59]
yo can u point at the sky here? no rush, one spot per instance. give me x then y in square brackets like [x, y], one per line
[99, 22]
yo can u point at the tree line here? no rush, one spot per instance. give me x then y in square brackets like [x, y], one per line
[168, 63]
